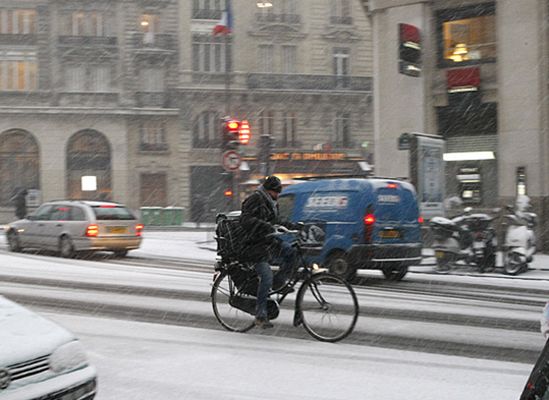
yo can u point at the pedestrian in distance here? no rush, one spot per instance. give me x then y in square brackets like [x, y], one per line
[20, 202]
[259, 215]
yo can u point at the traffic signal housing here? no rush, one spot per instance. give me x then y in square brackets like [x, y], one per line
[230, 133]
[409, 50]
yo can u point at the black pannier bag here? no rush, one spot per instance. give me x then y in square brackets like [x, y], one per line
[231, 238]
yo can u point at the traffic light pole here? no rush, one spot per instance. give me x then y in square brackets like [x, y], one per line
[228, 69]
[264, 155]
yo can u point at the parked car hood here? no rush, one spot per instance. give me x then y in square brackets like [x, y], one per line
[25, 335]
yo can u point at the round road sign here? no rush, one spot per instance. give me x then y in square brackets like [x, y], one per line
[231, 160]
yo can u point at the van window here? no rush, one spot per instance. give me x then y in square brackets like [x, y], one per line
[108, 212]
[286, 206]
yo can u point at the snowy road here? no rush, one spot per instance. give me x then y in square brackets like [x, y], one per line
[150, 331]
[142, 361]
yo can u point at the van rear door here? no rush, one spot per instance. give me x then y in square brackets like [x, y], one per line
[396, 214]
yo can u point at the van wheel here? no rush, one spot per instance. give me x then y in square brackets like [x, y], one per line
[338, 265]
[66, 248]
[394, 272]
[13, 242]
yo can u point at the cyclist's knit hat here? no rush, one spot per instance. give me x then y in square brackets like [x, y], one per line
[273, 183]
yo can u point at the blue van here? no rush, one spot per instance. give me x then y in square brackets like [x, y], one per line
[368, 223]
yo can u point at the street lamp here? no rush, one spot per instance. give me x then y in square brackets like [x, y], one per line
[264, 4]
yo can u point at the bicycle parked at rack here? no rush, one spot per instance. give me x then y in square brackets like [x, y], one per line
[325, 304]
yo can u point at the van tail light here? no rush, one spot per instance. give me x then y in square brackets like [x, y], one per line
[369, 221]
[92, 231]
[138, 229]
[420, 219]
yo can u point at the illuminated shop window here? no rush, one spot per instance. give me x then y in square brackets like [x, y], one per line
[468, 35]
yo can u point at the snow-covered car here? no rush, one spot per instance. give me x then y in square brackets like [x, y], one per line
[70, 226]
[39, 359]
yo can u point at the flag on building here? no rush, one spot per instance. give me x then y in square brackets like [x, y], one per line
[225, 25]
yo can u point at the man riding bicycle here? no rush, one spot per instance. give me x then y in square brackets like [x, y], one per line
[259, 215]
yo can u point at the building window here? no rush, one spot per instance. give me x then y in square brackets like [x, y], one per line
[341, 61]
[285, 11]
[289, 130]
[86, 23]
[88, 78]
[18, 71]
[152, 79]
[467, 35]
[341, 66]
[265, 59]
[18, 22]
[341, 12]
[289, 59]
[342, 130]
[153, 189]
[153, 136]
[207, 130]
[266, 122]
[88, 154]
[19, 164]
[211, 54]
[208, 9]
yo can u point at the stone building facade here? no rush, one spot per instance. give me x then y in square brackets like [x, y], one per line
[131, 92]
[483, 88]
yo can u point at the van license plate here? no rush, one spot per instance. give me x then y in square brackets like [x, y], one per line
[389, 234]
[439, 254]
[117, 229]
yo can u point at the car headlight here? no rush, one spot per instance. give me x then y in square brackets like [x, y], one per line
[67, 357]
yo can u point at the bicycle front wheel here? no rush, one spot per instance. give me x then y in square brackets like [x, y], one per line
[224, 293]
[328, 306]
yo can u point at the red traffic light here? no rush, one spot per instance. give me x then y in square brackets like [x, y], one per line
[244, 134]
[233, 125]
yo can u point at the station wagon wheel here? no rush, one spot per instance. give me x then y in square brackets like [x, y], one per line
[66, 248]
[338, 265]
[121, 253]
[13, 241]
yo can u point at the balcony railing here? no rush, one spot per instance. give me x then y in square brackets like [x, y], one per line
[278, 18]
[17, 39]
[339, 20]
[87, 40]
[207, 14]
[153, 147]
[308, 82]
[162, 41]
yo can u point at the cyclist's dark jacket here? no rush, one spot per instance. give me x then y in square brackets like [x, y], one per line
[259, 214]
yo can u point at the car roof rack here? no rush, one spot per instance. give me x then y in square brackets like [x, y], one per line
[348, 176]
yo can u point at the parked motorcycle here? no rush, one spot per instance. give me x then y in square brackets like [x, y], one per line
[468, 237]
[520, 239]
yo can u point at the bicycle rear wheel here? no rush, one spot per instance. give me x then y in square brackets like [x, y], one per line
[231, 318]
[328, 306]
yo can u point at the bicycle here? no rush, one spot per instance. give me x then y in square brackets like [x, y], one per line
[326, 304]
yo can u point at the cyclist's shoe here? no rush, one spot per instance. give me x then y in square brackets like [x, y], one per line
[263, 323]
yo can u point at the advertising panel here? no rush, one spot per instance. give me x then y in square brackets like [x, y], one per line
[430, 175]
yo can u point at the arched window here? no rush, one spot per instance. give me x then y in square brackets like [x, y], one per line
[207, 130]
[89, 155]
[19, 164]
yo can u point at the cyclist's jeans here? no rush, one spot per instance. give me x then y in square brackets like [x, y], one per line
[263, 269]
[287, 256]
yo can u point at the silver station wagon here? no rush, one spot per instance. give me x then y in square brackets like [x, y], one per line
[73, 226]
